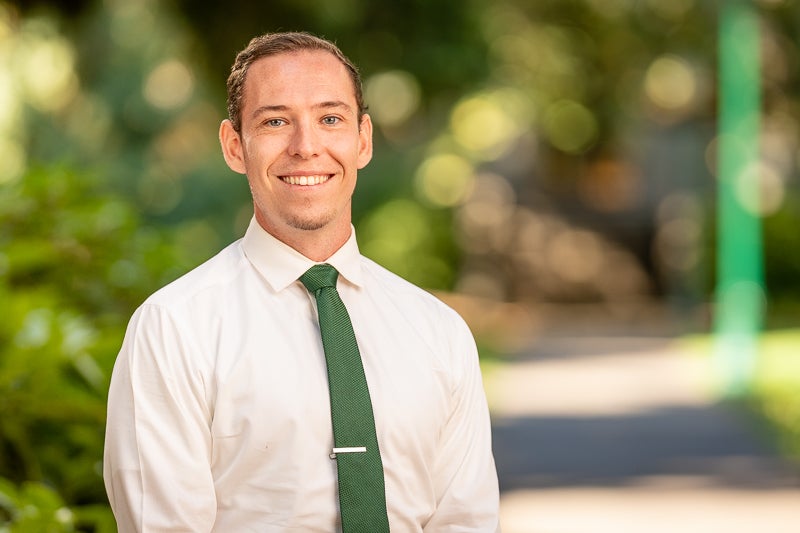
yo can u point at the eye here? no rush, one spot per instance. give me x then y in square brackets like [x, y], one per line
[331, 120]
[275, 122]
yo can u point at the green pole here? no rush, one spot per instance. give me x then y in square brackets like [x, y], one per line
[740, 271]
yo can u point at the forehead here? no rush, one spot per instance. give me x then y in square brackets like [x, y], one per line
[296, 77]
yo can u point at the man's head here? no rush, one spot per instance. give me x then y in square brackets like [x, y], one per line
[277, 43]
[301, 138]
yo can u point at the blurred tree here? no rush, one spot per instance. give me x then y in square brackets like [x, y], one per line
[76, 254]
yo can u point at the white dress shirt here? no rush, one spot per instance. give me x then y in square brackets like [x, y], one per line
[219, 414]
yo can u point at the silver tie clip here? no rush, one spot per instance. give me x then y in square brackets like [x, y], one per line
[351, 449]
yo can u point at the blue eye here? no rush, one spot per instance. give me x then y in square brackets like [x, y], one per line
[330, 121]
[275, 122]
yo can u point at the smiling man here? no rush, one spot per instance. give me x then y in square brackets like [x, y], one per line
[224, 411]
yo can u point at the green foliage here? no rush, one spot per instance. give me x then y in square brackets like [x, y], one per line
[33, 507]
[775, 397]
[36, 508]
[74, 263]
[781, 240]
[772, 397]
[411, 241]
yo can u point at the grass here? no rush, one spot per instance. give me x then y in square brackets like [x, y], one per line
[774, 393]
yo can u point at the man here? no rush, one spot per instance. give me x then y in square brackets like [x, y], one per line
[219, 414]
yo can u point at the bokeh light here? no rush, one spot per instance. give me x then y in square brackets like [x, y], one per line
[392, 97]
[486, 216]
[574, 255]
[487, 124]
[570, 126]
[760, 189]
[9, 102]
[89, 121]
[400, 234]
[670, 84]
[47, 70]
[176, 147]
[159, 192]
[444, 179]
[130, 22]
[169, 85]
[198, 238]
[395, 230]
[679, 233]
[13, 160]
[610, 185]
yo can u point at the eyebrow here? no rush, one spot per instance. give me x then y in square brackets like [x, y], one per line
[331, 104]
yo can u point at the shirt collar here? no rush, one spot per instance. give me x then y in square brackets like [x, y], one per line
[281, 265]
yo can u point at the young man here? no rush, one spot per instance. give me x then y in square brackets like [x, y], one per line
[219, 413]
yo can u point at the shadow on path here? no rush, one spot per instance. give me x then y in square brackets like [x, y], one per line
[606, 423]
[711, 442]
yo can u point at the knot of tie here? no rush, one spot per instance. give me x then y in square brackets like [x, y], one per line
[319, 276]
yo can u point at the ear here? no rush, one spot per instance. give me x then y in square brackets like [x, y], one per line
[232, 149]
[365, 141]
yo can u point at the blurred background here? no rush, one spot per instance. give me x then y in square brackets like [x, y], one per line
[548, 168]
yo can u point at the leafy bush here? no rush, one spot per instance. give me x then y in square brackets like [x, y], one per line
[74, 263]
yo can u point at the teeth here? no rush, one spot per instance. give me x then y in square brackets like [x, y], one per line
[306, 180]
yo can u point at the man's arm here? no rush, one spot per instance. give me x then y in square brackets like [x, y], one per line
[158, 446]
[466, 476]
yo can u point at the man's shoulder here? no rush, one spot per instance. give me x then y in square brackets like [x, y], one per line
[406, 293]
[215, 273]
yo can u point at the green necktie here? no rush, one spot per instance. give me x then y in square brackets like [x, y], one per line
[362, 498]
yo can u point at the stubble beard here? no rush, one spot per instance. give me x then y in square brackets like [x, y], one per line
[306, 221]
[303, 218]
[307, 224]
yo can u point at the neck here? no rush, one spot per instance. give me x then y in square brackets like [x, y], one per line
[317, 245]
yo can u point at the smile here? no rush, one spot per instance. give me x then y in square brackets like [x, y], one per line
[306, 180]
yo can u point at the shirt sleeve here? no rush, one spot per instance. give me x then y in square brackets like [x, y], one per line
[158, 444]
[466, 477]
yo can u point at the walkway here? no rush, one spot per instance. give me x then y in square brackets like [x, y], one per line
[622, 435]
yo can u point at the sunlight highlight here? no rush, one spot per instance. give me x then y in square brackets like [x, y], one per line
[489, 123]
[169, 85]
[444, 179]
[392, 97]
[48, 76]
[570, 126]
[670, 83]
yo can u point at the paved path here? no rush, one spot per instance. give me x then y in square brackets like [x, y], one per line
[623, 435]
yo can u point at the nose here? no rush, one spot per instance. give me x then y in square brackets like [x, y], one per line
[304, 142]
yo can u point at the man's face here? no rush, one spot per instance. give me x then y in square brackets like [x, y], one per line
[300, 142]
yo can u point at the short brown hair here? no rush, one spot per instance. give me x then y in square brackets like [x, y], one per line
[271, 44]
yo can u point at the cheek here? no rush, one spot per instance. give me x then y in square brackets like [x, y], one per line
[250, 151]
[259, 153]
[352, 158]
